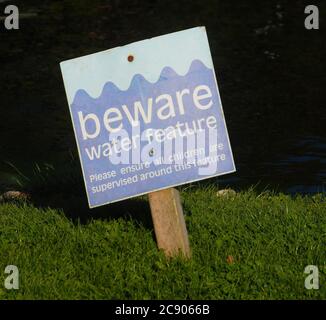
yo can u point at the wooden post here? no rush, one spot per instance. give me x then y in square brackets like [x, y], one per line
[169, 224]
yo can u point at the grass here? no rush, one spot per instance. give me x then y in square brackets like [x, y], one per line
[271, 238]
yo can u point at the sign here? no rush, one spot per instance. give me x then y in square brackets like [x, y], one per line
[147, 116]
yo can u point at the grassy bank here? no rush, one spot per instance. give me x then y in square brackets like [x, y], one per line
[250, 246]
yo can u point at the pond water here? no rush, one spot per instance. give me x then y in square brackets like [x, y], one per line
[270, 70]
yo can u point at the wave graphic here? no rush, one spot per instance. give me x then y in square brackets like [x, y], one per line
[110, 89]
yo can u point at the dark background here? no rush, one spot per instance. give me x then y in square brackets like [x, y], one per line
[270, 70]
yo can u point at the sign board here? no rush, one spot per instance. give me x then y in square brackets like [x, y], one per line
[147, 116]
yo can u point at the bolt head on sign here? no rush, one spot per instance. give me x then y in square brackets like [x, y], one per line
[147, 116]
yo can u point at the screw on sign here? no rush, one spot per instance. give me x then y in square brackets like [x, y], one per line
[148, 117]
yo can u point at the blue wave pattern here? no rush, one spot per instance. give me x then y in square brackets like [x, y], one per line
[110, 89]
[141, 90]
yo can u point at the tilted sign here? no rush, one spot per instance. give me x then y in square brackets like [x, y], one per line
[147, 116]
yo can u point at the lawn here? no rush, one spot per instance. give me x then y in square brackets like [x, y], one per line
[249, 246]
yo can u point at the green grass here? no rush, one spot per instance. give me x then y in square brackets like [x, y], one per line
[271, 238]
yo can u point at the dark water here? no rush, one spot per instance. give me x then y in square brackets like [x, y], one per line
[271, 74]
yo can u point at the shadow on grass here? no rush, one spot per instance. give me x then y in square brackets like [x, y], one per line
[60, 186]
[76, 208]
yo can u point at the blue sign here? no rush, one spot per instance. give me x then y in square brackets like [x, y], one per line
[147, 116]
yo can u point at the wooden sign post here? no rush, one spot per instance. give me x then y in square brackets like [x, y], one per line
[169, 223]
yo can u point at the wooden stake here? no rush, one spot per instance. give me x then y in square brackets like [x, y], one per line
[169, 224]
